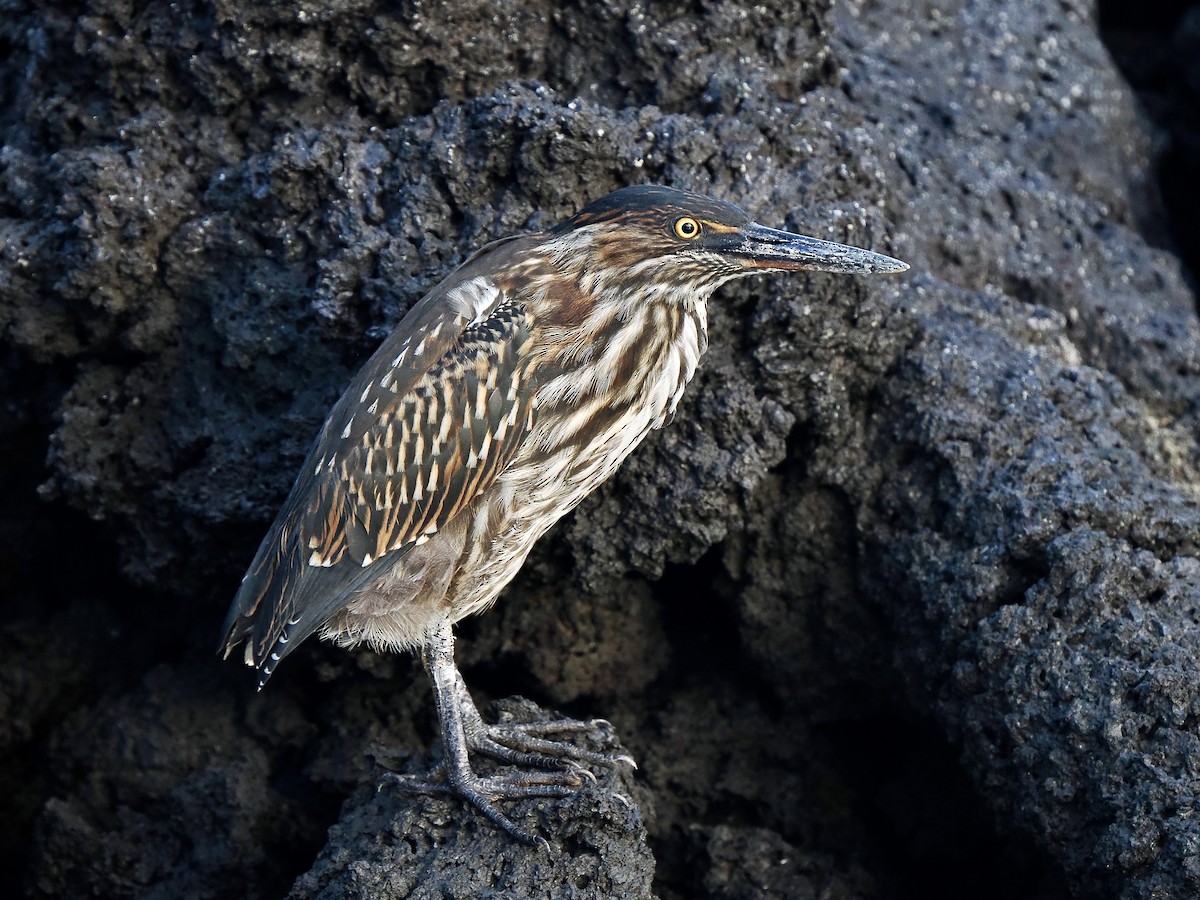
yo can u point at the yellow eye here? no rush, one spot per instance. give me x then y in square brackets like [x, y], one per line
[687, 228]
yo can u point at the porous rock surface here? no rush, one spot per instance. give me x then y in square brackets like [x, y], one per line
[435, 847]
[904, 602]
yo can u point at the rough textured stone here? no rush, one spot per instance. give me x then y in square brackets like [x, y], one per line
[390, 845]
[906, 595]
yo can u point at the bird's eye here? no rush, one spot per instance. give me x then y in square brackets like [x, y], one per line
[687, 228]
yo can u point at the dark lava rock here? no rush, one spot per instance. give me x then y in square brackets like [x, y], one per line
[903, 603]
[388, 844]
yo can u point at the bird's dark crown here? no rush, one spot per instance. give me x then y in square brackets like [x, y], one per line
[653, 205]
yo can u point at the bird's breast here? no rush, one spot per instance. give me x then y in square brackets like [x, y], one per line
[604, 387]
[599, 393]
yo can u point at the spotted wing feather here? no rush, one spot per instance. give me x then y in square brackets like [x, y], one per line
[426, 427]
[428, 454]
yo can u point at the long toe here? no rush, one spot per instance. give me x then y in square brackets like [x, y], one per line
[513, 784]
[483, 745]
[540, 751]
[480, 793]
[483, 792]
[433, 783]
[527, 786]
[560, 726]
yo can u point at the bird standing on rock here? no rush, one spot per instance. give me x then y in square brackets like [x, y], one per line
[505, 396]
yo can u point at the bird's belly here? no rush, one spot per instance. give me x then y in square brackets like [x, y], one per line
[398, 608]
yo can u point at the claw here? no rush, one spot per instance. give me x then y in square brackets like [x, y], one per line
[580, 771]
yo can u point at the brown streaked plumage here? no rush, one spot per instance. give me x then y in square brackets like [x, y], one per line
[503, 398]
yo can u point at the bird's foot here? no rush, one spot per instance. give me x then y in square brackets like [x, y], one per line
[535, 766]
[532, 763]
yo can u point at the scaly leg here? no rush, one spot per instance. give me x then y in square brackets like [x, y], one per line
[556, 763]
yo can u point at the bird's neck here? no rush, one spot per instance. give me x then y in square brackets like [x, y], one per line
[613, 346]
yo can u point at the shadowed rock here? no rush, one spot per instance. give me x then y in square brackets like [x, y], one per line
[387, 844]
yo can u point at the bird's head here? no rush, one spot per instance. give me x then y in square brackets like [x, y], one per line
[650, 236]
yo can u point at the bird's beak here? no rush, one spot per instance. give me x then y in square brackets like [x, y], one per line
[756, 246]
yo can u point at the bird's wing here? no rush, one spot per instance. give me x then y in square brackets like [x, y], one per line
[426, 426]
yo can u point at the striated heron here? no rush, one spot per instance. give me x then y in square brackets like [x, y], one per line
[504, 397]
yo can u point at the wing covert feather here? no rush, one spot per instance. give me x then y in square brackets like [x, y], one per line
[428, 425]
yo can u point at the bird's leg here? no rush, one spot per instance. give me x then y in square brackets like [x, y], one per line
[464, 731]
